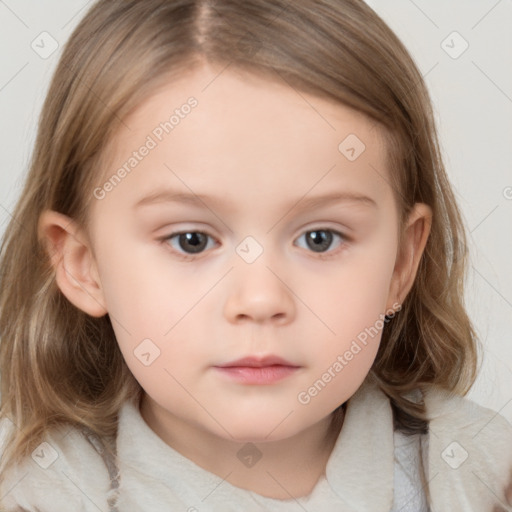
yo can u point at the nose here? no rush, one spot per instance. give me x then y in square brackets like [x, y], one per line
[258, 293]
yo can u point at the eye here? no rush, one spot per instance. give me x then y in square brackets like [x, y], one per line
[190, 242]
[319, 240]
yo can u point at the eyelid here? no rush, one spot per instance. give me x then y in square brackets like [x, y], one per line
[184, 255]
[331, 253]
[321, 255]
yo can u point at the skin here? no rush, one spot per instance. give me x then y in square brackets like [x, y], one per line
[263, 149]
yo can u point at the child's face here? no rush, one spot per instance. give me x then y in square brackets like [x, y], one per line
[256, 153]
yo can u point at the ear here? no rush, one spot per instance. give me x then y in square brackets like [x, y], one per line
[415, 236]
[73, 261]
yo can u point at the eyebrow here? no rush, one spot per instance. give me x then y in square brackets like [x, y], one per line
[303, 203]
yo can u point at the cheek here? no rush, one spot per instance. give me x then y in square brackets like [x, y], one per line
[141, 290]
[341, 361]
[351, 301]
[352, 296]
[157, 310]
[146, 309]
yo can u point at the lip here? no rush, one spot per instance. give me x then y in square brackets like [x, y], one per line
[258, 362]
[257, 370]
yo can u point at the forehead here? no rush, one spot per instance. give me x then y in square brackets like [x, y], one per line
[245, 132]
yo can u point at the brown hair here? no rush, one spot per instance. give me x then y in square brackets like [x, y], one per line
[61, 366]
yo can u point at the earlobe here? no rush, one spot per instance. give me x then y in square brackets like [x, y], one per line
[73, 262]
[415, 236]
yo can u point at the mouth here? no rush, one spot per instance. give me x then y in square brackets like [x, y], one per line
[257, 370]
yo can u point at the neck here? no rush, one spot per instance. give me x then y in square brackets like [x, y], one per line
[287, 469]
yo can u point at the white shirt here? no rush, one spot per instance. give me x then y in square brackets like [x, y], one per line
[371, 467]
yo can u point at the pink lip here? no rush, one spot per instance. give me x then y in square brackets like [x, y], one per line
[258, 362]
[257, 370]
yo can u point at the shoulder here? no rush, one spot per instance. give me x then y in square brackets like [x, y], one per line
[470, 451]
[65, 461]
[454, 414]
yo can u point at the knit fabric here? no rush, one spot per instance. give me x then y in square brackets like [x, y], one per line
[467, 454]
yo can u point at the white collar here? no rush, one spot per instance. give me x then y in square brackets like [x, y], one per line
[361, 466]
[359, 469]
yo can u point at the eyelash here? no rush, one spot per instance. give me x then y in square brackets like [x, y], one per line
[320, 255]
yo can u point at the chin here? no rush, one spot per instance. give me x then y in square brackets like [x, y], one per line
[257, 431]
[252, 436]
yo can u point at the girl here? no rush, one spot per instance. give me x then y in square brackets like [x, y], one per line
[234, 278]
